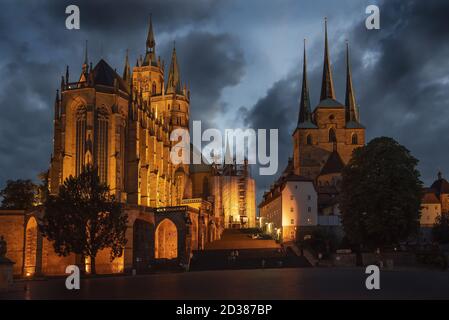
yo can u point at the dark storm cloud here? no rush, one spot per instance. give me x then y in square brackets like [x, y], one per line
[121, 17]
[36, 46]
[209, 63]
[277, 110]
[404, 93]
[401, 78]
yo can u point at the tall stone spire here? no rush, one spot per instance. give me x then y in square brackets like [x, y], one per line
[174, 78]
[127, 70]
[150, 52]
[327, 85]
[86, 60]
[351, 107]
[305, 114]
[85, 65]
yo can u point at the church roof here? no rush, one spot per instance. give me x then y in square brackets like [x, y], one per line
[440, 186]
[430, 197]
[330, 103]
[104, 75]
[334, 164]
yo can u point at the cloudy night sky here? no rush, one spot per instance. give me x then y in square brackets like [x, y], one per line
[242, 60]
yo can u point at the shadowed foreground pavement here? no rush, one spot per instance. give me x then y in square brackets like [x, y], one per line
[287, 283]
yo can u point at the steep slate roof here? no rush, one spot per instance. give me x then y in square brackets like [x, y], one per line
[430, 197]
[330, 103]
[104, 75]
[440, 186]
[307, 125]
[334, 164]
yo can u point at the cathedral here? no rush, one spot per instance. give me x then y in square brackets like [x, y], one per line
[121, 124]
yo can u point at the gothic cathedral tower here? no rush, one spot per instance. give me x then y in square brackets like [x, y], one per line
[165, 107]
[122, 126]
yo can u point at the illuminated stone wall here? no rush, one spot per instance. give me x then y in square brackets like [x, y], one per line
[12, 228]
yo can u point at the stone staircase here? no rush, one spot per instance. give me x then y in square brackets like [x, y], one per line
[252, 253]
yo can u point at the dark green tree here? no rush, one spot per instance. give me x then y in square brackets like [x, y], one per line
[43, 188]
[381, 194]
[440, 231]
[19, 194]
[85, 218]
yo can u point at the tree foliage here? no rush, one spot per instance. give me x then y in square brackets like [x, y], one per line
[440, 231]
[19, 194]
[381, 194]
[85, 218]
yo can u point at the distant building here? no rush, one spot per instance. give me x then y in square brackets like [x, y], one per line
[234, 192]
[289, 208]
[430, 208]
[435, 202]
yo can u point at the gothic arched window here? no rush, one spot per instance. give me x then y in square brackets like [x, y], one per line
[80, 142]
[101, 144]
[355, 139]
[309, 139]
[332, 136]
[121, 153]
[153, 88]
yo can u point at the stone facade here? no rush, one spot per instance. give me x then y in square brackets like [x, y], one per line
[289, 209]
[122, 125]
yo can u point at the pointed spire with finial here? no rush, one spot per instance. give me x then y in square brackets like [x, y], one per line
[67, 74]
[174, 77]
[351, 107]
[127, 70]
[305, 114]
[151, 43]
[327, 84]
[86, 61]
[439, 175]
[150, 52]
[228, 157]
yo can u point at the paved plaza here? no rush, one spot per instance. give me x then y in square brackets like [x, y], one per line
[281, 283]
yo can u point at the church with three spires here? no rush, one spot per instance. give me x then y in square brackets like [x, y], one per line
[323, 141]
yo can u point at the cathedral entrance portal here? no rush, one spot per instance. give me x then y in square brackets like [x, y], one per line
[166, 240]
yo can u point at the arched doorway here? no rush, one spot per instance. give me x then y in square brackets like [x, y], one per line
[166, 240]
[30, 247]
[141, 244]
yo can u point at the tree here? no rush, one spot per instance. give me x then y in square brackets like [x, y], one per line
[43, 187]
[440, 231]
[19, 194]
[380, 200]
[85, 218]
